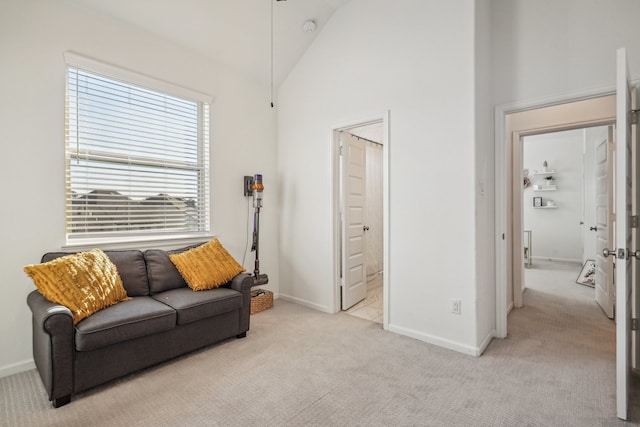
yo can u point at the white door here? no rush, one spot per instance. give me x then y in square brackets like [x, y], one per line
[623, 194]
[589, 209]
[354, 285]
[604, 287]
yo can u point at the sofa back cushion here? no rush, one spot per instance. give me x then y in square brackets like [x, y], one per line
[163, 274]
[131, 268]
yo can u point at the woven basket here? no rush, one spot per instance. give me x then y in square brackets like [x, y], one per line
[261, 302]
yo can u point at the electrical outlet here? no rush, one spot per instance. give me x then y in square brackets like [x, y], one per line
[248, 183]
[456, 306]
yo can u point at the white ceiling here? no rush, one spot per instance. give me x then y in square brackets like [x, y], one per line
[234, 32]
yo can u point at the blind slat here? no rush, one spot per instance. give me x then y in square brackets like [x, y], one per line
[137, 159]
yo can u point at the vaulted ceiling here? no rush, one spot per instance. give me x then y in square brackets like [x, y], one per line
[236, 33]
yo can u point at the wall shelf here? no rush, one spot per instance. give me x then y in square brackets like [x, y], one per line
[547, 185]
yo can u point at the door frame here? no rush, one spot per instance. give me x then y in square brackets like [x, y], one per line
[508, 203]
[336, 202]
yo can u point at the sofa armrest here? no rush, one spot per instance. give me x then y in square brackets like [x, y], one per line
[53, 346]
[243, 283]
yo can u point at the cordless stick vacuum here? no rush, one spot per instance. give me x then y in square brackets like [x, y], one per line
[257, 188]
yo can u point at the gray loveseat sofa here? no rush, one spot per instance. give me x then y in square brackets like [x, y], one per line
[163, 319]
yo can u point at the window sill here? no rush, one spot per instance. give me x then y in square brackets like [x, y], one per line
[141, 242]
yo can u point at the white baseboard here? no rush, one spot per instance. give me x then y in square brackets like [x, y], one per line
[305, 303]
[16, 368]
[487, 340]
[448, 344]
[441, 342]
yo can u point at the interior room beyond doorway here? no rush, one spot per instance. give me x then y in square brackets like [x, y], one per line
[559, 196]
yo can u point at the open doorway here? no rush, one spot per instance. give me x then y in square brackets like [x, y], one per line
[360, 219]
[563, 189]
[516, 124]
[370, 307]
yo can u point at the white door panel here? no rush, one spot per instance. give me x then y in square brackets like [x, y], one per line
[604, 287]
[354, 285]
[624, 272]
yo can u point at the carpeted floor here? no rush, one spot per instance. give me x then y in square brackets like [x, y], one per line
[299, 367]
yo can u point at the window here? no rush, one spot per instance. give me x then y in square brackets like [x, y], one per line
[136, 154]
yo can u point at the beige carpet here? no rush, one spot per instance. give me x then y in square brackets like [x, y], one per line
[299, 367]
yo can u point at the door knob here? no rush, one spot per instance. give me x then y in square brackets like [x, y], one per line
[365, 228]
[635, 254]
[606, 252]
[593, 228]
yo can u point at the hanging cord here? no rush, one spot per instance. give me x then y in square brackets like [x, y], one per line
[272, 1]
[272, 53]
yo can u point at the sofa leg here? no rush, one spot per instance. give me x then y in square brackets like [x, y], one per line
[242, 335]
[61, 401]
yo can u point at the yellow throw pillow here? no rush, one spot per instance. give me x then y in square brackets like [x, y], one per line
[206, 266]
[85, 282]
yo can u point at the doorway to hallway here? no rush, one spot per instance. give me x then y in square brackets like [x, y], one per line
[360, 183]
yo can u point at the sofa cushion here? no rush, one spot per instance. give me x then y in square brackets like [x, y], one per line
[207, 266]
[131, 268]
[130, 319]
[192, 306]
[84, 282]
[162, 274]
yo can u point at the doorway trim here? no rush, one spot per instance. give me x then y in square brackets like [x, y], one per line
[335, 208]
[509, 272]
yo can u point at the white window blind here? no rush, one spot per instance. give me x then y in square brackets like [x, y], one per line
[136, 159]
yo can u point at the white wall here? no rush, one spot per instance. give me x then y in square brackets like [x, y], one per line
[556, 233]
[554, 47]
[484, 178]
[33, 36]
[372, 56]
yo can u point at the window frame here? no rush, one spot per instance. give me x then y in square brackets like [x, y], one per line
[132, 237]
